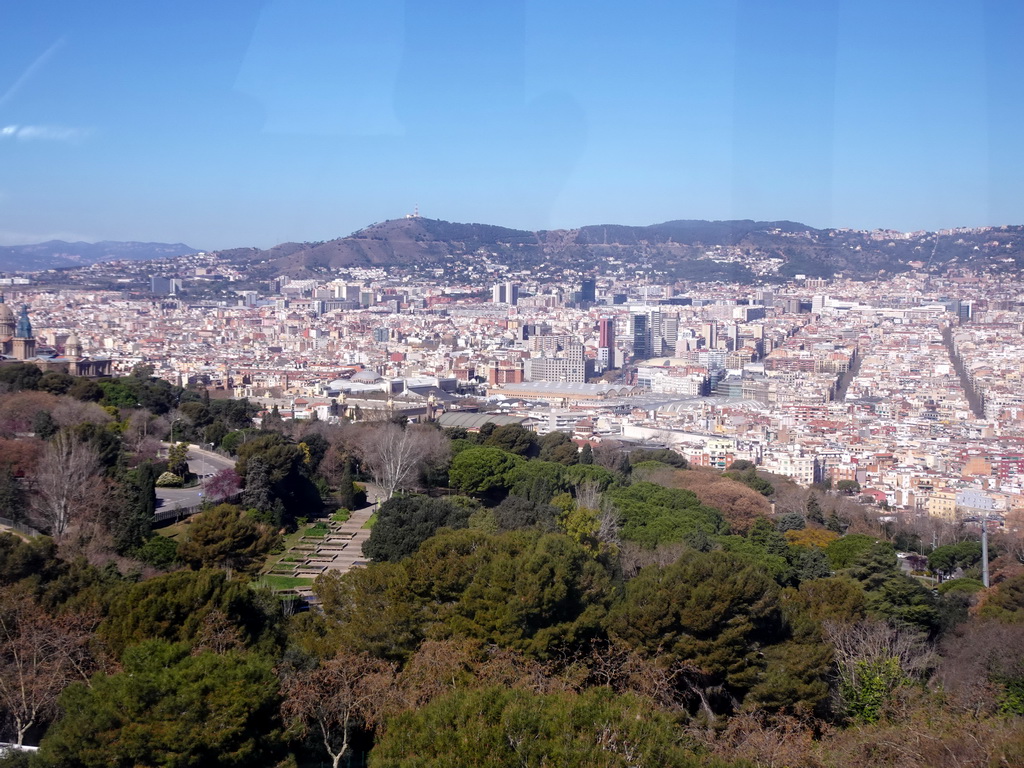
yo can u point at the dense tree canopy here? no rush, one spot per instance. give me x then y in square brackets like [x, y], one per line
[495, 728]
[178, 606]
[712, 610]
[525, 590]
[225, 537]
[170, 708]
[403, 523]
[513, 438]
[591, 608]
[482, 470]
[844, 552]
[652, 514]
[948, 559]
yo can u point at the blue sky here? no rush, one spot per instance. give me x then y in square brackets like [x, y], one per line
[239, 123]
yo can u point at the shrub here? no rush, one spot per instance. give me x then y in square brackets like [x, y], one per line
[169, 480]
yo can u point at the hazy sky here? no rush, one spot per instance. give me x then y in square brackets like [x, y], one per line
[238, 122]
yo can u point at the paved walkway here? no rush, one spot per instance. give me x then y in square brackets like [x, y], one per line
[352, 554]
[341, 549]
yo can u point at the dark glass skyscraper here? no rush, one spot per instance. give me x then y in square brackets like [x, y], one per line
[588, 291]
[641, 333]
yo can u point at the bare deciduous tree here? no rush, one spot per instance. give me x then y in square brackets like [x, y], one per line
[865, 652]
[40, 655]
[395, 455]
[333, 464]
[588, 495]
[67, 482]
[763, 740]
[976, 659]
[635, 557]
[334, 699]
[69, 412]
[871, 639]
[139, 427]
[19, 409]
[607, 454]
[218, 634]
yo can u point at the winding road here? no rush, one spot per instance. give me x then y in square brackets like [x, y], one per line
[204, 463]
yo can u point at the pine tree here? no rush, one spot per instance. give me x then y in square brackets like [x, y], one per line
[273, 420]
[587, 454]
[12, 497]
[814, 514]
[346, 490]
[258, 494]
[177, 460]
[132, 521]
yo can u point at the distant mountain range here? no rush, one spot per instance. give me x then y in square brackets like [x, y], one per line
[691, 250]
[56, 254]
[686, 250]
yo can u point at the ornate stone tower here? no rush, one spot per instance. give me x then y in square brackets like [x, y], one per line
[72, 347]
[7, 321]
[24, 341]
[73, 352]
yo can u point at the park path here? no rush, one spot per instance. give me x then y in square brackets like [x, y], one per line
[352, 555]
[352, 535]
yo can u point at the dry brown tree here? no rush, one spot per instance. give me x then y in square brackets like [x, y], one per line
[395, 455]
[740, 506]
[40, 655]
[67, 483]
[334, 463]
[69, 413]
[871, 653]
[977, 658]
[18, 410]
[763, 740]
[20, 455]
[331, 701]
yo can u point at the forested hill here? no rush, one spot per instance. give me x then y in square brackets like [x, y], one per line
[688, 249]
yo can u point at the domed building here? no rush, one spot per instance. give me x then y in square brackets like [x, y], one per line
[72, 346]
[14, 330]
[80, 364]
[7, 322]
[24, 342]
[18, 344]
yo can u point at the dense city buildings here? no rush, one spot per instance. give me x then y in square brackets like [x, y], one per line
[910, 388]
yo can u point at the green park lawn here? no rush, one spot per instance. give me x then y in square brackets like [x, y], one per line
[277, 582]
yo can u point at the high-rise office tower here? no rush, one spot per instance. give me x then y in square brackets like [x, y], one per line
[606, 342]
[588, 291]
[639, 330]
[670, 329]
[710, 333]
[164, 286]
[505, 293]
